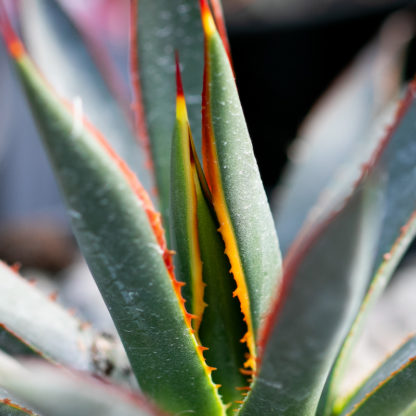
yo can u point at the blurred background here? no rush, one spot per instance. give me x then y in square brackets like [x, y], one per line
[286, 54]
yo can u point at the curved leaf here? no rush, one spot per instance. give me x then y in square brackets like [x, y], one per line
[238, 196]
[395, 159]
[58, 392]
[120, 236]
[385, 271]
[60, 52]
[323, 284]
[34, 324]
[42, 325]
[337, 126]
[203, 265]
[390, 389]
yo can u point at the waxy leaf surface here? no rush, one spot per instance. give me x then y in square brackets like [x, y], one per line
[395, 162]
[42, 325]
[111, 216]
[203, 265]
[323, 284]
[238, 196]
[163, 26]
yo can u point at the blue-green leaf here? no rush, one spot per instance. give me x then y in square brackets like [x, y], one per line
[390, 389]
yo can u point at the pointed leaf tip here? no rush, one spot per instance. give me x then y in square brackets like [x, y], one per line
[179, 85]
[13, 44]
[208, 23]
[181, 111]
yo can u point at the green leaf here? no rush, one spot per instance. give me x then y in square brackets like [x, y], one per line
[324, 281]
[238, 196]
[395, 158]
[410, 411]
[119, 235]
[33, 324]
[42, 325]
[60, 52]
[385, 271]
[222, 325]
[203, 265]
[341, 123]
[184, 212]
[8, 408]
[12, 345]
[58, 392]
[390, 389]
[163, 26]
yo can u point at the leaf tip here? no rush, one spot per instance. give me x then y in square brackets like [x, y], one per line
[208, 23]
[14, 45]
[181, 113]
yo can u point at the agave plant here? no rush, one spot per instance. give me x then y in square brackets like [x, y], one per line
[228, 330]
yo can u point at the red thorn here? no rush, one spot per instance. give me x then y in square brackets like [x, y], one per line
[191, 315]
[179, 85]
[53, 296]
[243, 388]
[247, 372]
[16, 267]
[239, 401]
[85, 325]
[202, 348]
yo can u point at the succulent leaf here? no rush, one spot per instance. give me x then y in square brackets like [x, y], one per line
[161, 27]
[123, 243]
[202, 263]
[58, 392]
[341, 123]
[385, 271]
[323, 283]
[184, 210]
[394, 159]
[410, 411]
[42, 325]
[9, 408]
[13, 345]
[390, 390]
[238, 196]
[58, 48]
